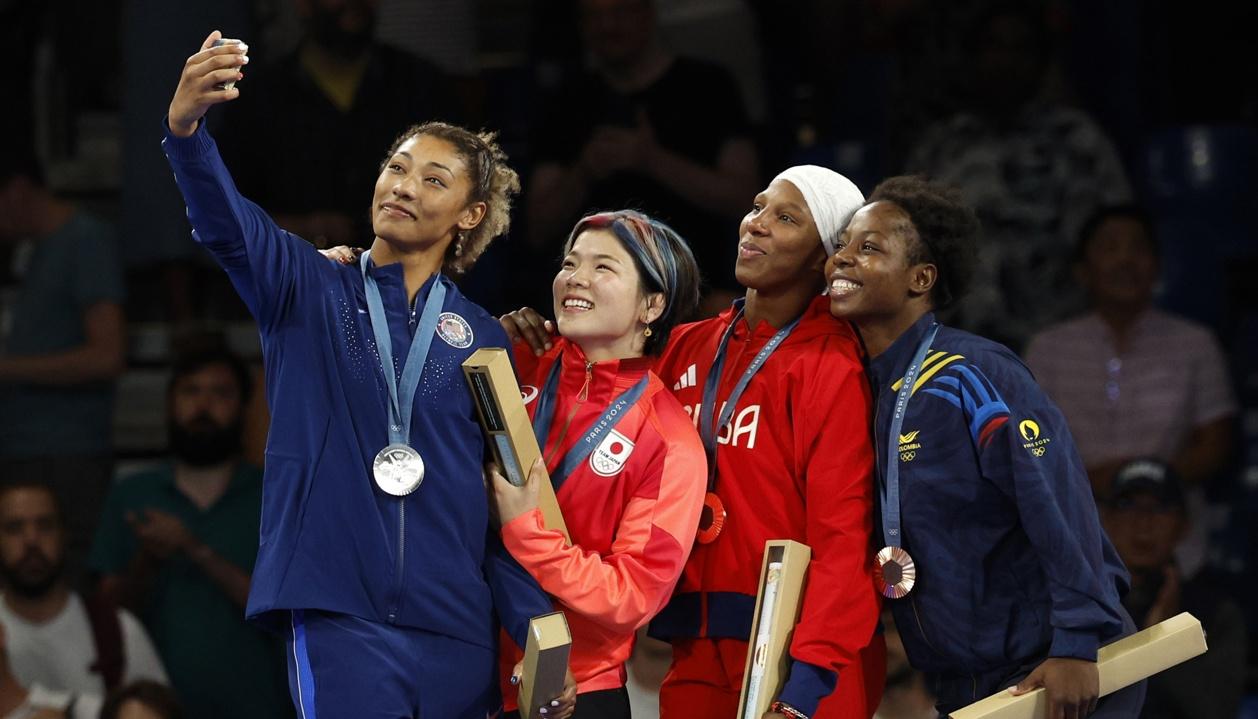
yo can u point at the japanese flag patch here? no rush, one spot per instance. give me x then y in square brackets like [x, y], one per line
[609, 457]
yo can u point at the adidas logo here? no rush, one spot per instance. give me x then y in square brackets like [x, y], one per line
[687, 379]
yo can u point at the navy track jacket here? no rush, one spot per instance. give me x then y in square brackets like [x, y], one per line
[996, 511]
[330, 539]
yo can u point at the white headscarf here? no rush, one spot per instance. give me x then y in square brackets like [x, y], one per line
[832, 199]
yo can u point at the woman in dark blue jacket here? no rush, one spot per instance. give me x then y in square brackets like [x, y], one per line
[995, 563]
[375, 555]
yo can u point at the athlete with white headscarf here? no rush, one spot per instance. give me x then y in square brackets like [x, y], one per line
[793, 460]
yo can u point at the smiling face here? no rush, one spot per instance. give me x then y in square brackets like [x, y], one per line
[599, 300]
[872, 276]
[779, 245]
[421, 196]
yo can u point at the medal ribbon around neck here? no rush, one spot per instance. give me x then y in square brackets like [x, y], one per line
[402, 396]
[893, 553]
[593, 435]
[713, 517]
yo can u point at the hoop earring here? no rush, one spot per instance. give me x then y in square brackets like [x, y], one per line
[647, 332]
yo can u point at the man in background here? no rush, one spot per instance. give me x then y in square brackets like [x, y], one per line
[62, 343]
[55, 637]
[178, 543]
[1146, 517]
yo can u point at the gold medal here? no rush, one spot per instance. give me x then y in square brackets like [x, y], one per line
[894, 573]
[711, 519]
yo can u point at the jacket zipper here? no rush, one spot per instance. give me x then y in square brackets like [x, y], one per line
[401, 526]
[582, 396]
[401, 555]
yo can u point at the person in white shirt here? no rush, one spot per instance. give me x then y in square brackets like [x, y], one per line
[18, 701]
[53, 637]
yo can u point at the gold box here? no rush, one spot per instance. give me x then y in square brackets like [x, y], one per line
[777, 610]
[1120, 664]
[545, 662]
[505, 421]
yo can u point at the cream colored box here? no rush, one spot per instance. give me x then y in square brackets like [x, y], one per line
[500, 407]
[778, 602]
[545, 662]
[1119, 664]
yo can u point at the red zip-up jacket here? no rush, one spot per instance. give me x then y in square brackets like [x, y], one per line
[632, 509]
[795, 462]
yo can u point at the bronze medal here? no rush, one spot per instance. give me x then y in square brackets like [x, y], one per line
[894, 572]
[711, 519]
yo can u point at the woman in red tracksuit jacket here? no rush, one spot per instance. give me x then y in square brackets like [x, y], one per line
[787, 416]
[626, 462]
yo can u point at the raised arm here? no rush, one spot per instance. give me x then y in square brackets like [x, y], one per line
[266, 264]
[201, 86]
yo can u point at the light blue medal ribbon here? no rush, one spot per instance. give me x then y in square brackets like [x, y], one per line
[545, 412]
[398, 468]
[713, 517]
[592, 436]
[896, 573]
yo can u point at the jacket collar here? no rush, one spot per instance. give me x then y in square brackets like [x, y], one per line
[891, 365]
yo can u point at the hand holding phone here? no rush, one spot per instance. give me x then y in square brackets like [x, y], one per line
[208, 78]
[219, 43]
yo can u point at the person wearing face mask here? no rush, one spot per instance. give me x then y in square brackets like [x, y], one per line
[993, 561]
[625, 460]
[376, 559]
[777, 391]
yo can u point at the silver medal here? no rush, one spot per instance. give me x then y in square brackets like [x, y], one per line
[398, 469]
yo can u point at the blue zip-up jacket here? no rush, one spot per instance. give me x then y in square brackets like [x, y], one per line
[996, 511]
[330, 539]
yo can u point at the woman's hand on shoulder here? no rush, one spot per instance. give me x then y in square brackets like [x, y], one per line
[527, 325]
[343, 254]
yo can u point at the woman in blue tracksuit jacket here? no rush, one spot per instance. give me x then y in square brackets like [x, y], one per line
[387, 590]
[1008, 579]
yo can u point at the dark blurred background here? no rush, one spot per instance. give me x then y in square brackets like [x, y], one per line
[1044, 112]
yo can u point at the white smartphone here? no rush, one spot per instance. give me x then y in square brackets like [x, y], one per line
[230, 84]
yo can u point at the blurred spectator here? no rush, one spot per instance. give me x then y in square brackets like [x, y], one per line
[1032, 168]
[346, 96]
[178, 544]
[905, 695]
[142, 700]
[62, 341]
[55, 638]
[646, 129]
[1145, 518]
[1123, 393]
